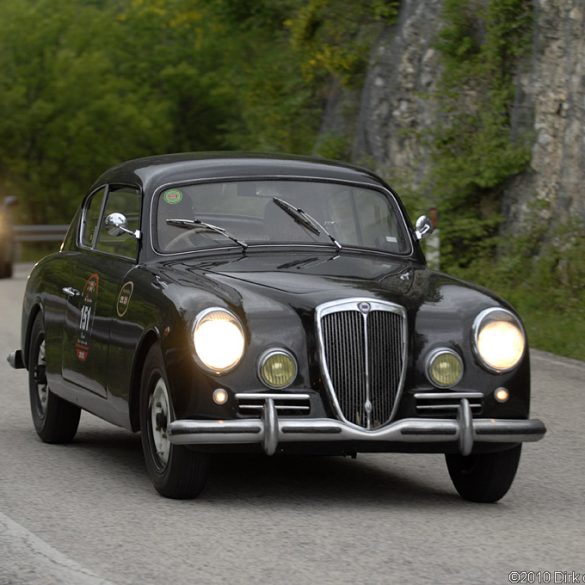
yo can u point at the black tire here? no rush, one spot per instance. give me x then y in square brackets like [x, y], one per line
[484, 477]
[8, 270]
[175, 471]
[55, 419]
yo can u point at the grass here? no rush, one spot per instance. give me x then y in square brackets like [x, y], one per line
[550, 329]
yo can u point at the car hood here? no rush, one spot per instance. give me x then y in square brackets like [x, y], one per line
[302, 279]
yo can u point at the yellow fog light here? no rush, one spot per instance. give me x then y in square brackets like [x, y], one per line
[499, 340]
[277, 368]
[444, 368]
[219, 340]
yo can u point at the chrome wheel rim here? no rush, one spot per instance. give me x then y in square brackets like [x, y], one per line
[159, 407]
[42, 386]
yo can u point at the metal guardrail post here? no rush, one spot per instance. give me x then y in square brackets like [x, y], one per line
[37, 233]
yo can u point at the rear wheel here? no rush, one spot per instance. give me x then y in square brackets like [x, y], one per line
[484, 477]
[175, 471]
[55, 419]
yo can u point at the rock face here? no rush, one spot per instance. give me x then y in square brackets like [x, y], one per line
[550, 106]
[548, 113]
[395, 107]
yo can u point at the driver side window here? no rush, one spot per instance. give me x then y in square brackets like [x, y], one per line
[124, 200]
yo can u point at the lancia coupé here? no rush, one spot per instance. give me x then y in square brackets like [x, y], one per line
[267, 303]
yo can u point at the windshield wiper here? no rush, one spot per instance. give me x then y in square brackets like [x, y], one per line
[304, 219]
[201, 226]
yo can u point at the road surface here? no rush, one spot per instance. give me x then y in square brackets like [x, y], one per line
[86, 514]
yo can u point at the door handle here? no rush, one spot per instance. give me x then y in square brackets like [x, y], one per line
[70, 291]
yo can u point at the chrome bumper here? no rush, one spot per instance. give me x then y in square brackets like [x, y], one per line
[270, 431]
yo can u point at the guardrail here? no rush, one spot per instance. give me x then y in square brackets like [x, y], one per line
[39, 233]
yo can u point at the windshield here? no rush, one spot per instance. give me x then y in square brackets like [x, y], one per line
[249, 211]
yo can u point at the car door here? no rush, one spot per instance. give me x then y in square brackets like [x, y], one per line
[98, 275]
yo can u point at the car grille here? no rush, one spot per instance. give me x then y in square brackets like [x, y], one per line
[252, 404]
[446, 404]
[363, 351]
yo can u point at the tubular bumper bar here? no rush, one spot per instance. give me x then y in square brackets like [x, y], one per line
[270, 430]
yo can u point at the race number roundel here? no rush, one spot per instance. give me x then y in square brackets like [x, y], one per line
[124, 299]
[87, 313]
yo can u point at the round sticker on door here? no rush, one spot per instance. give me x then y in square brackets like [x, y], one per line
[124, 299]
[87, 313]
[173, 196]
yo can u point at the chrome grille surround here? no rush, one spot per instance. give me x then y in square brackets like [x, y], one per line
[359, 312]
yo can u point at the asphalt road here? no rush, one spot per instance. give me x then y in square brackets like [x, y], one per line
[86, 514]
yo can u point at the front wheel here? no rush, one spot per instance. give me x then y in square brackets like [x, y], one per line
[175, 471]
[55, 419]
[484, 477]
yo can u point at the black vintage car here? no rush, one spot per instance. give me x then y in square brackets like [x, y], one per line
[245, 303]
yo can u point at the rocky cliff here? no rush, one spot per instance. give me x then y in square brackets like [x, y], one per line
[396, 107]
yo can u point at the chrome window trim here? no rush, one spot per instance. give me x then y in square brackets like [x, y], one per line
[270, 352]
[230, 179]
[352, 304]
[476, 328]
[198, 318]
[84, 208]
[436, 353]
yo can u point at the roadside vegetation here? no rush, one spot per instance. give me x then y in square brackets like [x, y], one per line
[86, 84]
[540, 266]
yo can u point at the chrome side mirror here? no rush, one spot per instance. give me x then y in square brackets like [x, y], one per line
[117, 224]
[424, 227]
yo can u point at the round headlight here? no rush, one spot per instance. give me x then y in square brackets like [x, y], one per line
[277, 368]
[444, 368]
[219, 340]
[499, 339]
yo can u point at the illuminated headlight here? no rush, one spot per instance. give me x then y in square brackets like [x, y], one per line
[277, 368]
[219, 340]
[499, 339]
[444, 368]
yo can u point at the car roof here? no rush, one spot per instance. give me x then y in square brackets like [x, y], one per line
[153, 171]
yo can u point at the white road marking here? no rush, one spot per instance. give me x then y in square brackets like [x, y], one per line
[28, 560]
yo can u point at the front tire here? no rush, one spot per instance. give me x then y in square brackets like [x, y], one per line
[484, 477]
[175, 471]
[55, 419]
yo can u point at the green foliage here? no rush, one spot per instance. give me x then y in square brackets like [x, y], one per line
[334, 147]
[86, 84]
[473, 152]
[334, 37]
[65, 112]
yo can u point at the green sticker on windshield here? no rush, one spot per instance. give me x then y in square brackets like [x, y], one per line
[173, 196]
